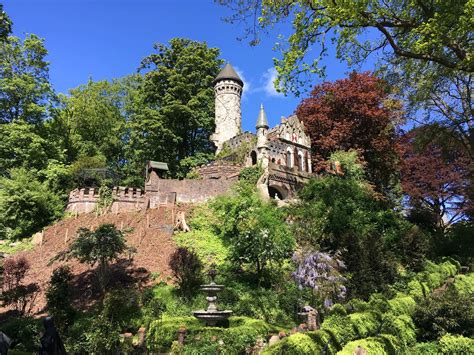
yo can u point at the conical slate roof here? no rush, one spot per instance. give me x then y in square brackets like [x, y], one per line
[262, 118]
[228, 73]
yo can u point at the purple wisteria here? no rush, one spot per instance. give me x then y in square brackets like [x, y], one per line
[321, 272]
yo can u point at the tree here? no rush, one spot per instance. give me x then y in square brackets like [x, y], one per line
[434, 179]
[176, 114]
[25, 91]
[101, 246]
[59, 298]
[343, 213]
[186, 268]
[445, 311]
[410, 33]
[91, 121]
[26, 204]
[354, 113]
[255, 229]
[22, 146]
[5, 25]
[14, 292]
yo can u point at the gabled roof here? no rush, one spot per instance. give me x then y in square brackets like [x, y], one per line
[228, 73]
[158, 165]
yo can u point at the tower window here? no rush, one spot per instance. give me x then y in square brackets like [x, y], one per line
[253, 156]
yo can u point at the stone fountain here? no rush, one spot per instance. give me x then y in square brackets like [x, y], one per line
[212, 315]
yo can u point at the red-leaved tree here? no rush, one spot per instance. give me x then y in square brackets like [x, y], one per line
[354, 113]
[434, 179]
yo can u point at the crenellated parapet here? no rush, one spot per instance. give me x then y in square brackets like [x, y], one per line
[84, 200]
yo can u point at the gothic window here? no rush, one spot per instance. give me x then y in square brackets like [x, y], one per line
[288, 158]
[253, 156]
[306, 158]
[300, 161]
[296, 160]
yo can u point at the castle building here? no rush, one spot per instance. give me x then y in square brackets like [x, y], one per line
[283, 152]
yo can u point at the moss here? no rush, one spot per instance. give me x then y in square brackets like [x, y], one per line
[456, 344]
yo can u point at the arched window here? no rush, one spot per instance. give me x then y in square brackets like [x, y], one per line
[253, 156]
[306, 159]
[296, 159]
[288, 158]
[301, 161]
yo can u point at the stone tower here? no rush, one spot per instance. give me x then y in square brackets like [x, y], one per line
[228, 117]
[262, 140]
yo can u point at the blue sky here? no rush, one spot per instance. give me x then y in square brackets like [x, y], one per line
[106, 39]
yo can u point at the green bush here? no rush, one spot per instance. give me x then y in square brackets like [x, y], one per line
[456, 344]
[402, 305]
[296, 344]
[424, 349]
[241, 334]
[464, 284]
[26, 330]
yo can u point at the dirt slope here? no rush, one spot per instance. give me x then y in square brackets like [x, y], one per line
[151, 235]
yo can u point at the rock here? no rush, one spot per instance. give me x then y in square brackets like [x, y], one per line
[273, 340]
[37, 238]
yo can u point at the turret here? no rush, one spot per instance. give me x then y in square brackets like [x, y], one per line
[262, 141]
[228, 116]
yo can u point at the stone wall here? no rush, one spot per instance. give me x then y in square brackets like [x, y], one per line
[286, 180]
[125, 199]
[219, 169]
[192, 191]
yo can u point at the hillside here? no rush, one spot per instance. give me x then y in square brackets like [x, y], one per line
[149, 233]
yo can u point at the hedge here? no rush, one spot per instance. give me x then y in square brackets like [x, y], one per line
[392, 318]
[456, 344]
[242, 333]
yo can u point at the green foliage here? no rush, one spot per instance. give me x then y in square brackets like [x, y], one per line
[91, 120]
[105, 200]
[350, 164]
[59, 298]
[456, 344]
[299, 344]
[25, 91]
[203, 238]
[96, 335]
[101, 246]
[345, 214]
[241, 334]
[255, 229]
[187, 270]
[416, 37]
[26, 204]
[22, 146]
[445, 311]
[26, 330]
[174, 111]
[251, 174]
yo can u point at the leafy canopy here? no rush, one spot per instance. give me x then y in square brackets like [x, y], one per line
[25, 91]
[177, 104]
[255, 229]
[413, 33]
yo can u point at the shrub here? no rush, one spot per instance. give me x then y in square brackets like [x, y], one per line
[444, 312]
[14, 293]
[456, 344]
[297, 344]
[186, 268]
[58, 297]
[101, 246]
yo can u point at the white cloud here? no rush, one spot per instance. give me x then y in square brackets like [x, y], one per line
[269, 83]
[247, 84]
